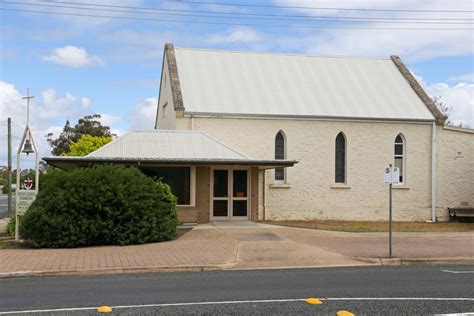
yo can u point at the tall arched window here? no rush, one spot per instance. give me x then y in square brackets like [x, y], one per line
[340, 158]
[280, 153]
[400, 156]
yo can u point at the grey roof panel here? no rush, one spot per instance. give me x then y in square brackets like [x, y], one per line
[250, 83]
[167, 144]
[165, 147]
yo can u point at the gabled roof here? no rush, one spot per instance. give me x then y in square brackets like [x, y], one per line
[265, 84]
[167, 144]
[166, 147]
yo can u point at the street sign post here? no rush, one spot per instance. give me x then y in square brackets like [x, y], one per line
[391, 176]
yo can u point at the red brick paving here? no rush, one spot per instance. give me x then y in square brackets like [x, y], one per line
[249, 245]
[189, 250]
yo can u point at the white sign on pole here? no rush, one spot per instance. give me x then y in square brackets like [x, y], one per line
[391, 175]
[24, 198]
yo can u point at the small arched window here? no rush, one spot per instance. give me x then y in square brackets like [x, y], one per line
[280, 153]
[400, 156]
[340, 158]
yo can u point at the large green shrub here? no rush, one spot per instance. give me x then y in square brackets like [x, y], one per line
[102, 205]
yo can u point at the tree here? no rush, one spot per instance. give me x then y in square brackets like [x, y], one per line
[89, 125]
[87, 144]
[446, 110]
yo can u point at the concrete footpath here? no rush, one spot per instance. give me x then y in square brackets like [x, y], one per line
[243, 245]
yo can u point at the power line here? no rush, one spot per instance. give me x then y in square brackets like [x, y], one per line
[228, 17]
[236, 24]
[315, 8]
[251, 14]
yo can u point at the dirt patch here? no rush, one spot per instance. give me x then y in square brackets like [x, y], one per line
[370, 226]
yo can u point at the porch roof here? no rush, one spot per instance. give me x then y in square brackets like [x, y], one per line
[165, 147]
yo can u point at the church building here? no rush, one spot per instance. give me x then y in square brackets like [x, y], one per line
[262, 136]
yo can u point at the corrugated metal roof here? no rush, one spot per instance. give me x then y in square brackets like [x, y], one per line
[249, 83]
[167, 144]
[166, 147]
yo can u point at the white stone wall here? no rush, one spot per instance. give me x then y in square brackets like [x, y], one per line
[166, 118]
[455, 161]
[310, 195]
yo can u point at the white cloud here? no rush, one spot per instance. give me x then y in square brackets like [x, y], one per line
[460, 97]
[48, 113]
[463, 78]
[44, 112]
[414, 45]
[72, 56]
[240, 34]
[109, 120]
[143, 114]
[85, 101]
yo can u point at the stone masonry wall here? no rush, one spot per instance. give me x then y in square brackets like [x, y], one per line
[311, 193]
[455, 171]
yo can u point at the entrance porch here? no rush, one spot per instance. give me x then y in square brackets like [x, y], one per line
[211, 181]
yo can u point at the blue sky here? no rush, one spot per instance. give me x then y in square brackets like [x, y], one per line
[79, 65]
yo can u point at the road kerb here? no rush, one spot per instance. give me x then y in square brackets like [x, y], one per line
[231, 266]
[413, 261]
[20, 274]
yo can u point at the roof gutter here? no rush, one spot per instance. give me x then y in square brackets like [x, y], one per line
[61, 162]
[304, 117]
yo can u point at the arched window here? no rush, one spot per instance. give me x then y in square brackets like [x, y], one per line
[400, 156]
[280, 153]
[340, 158]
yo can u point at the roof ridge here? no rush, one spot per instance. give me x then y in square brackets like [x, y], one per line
[108, 144]
[224, 144]
[280, 53]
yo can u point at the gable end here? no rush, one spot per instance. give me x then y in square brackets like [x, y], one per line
[440, 118]
[174, 78]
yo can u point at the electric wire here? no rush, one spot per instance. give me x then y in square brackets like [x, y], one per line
[248, 13]
[315, 8]
[238, 24]
[243, 14]
[387, 21]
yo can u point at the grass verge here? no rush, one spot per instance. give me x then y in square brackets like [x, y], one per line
[11, 244]
[371, 226]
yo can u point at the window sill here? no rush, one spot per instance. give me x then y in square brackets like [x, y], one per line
[186, 207]
[280, 186]
[400, 187]
[340, 186]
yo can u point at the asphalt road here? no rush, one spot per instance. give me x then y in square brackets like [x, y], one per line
[4, 205]
[394, 290]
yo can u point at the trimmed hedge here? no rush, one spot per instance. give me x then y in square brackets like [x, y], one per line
[102, 205]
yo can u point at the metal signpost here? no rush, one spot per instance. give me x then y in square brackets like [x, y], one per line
[391, 176]
[24, 194]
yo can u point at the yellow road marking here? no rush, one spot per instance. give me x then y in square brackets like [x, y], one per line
[104, 309]
[313, 301]
[344, 313]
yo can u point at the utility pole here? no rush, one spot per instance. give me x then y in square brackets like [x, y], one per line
[10, 211]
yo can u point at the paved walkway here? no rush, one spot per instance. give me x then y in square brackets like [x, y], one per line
[375, 245]
[238, 245]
